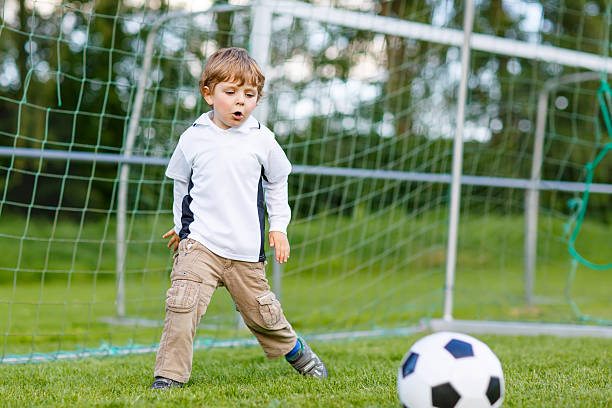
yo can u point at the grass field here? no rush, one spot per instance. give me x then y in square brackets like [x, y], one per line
[539, 372]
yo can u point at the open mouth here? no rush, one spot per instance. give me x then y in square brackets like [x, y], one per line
[237, 115]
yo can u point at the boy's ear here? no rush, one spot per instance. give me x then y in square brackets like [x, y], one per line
[207, 94]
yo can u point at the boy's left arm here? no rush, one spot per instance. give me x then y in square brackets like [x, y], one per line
[276, 172]
[279, 214]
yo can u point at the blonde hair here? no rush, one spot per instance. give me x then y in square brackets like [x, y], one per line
[232, 65]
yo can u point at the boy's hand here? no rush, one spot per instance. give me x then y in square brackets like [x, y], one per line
[279, 241]
[174, 239]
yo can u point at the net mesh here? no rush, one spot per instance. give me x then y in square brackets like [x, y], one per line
[367, 120]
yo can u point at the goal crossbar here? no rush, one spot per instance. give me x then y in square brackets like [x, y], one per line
[439, 35]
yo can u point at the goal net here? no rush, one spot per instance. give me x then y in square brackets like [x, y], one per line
[363, 98]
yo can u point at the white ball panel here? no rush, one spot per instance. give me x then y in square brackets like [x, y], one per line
[481, 402]
[413, 391]
[435, 367]
[469, 378]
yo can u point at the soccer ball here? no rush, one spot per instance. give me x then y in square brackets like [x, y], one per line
[450, 370]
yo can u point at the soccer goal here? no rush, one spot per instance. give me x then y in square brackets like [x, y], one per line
[451, 167]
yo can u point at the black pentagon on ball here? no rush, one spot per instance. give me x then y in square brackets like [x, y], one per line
[493, 390]
[410, 364]
[444, 396]
[459, 348]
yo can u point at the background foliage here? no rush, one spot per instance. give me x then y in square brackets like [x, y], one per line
[69, 77]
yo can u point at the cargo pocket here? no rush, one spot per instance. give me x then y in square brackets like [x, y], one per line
[183, 295]
[269, 309]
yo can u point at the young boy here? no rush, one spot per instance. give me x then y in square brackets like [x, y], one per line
[221, 167]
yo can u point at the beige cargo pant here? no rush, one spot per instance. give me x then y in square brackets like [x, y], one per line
[196, 273]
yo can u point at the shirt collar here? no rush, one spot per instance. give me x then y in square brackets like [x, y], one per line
[246, 127]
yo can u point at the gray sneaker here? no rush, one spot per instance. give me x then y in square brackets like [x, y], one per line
[307, 363]
[162, 383]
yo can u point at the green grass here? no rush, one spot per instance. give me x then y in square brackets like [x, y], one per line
[539, 372]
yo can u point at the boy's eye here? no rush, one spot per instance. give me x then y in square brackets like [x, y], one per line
[250, 95]
[229, 92]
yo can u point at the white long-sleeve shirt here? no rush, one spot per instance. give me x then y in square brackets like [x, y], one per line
[221, 180]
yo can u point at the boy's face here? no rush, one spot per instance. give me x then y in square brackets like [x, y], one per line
[232, 103]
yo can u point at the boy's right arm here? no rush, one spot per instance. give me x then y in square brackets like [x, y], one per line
[180, 191]
[179, 170]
